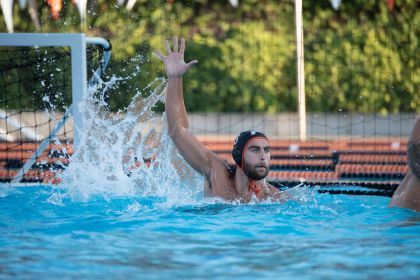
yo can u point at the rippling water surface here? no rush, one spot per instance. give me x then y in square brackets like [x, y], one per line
[117, 216]
[314, 236]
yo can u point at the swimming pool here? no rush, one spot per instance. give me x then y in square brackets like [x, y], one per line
[117, 216]
[139, 236]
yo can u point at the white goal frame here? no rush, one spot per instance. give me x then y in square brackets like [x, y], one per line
[79, 84]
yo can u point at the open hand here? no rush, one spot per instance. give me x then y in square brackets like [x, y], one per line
[175, 65]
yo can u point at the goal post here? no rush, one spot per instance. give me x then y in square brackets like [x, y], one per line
[300, 75]
[77, 45]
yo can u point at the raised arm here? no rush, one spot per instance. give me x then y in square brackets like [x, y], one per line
[195, 153]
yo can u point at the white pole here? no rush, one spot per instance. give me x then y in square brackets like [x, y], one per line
[79, 85]
[300, 70]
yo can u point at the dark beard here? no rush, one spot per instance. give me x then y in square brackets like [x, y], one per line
[253, 174]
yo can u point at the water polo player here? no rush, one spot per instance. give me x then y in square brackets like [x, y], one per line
[251, 150]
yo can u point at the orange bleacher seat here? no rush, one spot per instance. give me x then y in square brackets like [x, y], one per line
[376, 142]
[18, 146]
[374, 149]
[31, 147]
[288, 162]
[374, 146]
[360, 169]
[54, 160]
[303, 175]
[292, 146]
[301, 162]
[6, 174]
[32, 175]
[373, 158]
[288, 154]
[301, 154]
[17, 155]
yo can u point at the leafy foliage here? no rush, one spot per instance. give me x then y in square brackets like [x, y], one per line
[360, 58]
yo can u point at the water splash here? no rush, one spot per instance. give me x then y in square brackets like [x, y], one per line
[128, 153]
[5, 189]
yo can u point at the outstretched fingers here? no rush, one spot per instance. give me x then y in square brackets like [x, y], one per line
[175, 65]
[160, 55]
[191, 63]
[175, 44]
[182, 48]
[168, 47]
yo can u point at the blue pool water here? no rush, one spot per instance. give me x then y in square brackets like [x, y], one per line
[315, 236]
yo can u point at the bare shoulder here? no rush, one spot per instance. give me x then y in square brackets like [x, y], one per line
[408, 193]
[220, 178]
[218, 163]
[413, 155]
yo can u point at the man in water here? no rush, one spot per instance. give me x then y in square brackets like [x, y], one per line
[408, 193]
[251, 150]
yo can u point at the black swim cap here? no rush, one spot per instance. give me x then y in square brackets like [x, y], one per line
[240, 143]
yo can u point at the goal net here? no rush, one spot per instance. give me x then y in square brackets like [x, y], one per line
[41, 76]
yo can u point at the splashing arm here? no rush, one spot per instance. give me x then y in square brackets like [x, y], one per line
[194, 152]
[414, 150]
[407, 195]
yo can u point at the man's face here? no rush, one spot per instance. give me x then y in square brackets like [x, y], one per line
[256, 159]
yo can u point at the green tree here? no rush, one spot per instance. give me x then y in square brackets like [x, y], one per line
[361, 58]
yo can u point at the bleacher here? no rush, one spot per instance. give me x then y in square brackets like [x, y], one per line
[14, 155]
[375, 164]
[379, 165]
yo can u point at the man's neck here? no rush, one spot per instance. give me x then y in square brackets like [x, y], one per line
[242, 183]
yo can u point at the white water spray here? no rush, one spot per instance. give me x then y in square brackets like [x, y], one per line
[128, 153]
